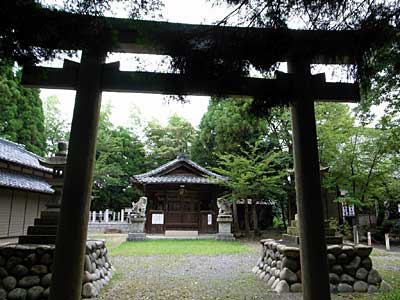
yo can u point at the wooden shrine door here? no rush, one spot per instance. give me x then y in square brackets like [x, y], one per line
[182, 211]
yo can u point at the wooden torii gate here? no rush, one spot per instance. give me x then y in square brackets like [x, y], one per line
[92, 76]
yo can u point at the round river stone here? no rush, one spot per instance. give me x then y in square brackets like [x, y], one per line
[344, 288]
[360, 287]
[17, 294]
[288, 275]
[35, 292]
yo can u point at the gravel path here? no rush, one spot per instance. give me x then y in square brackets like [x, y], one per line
[188, 277]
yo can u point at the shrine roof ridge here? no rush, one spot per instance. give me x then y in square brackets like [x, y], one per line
[154, 176]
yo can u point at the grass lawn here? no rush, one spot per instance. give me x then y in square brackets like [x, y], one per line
[178, 247]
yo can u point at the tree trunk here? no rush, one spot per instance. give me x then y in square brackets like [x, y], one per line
[236, 227]
[255, 218]
[246, 218]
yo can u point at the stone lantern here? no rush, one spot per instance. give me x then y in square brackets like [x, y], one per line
[58, 163]
[44, 230]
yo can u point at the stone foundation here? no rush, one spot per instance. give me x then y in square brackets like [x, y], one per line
[350, 268]
[224, 228]
[108, 227]
[25, 270]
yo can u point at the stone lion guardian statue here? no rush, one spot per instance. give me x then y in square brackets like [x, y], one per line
[139, 208]
[224, 207]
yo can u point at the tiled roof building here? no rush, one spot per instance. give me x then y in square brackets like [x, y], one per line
[24, 189]
[181, 196]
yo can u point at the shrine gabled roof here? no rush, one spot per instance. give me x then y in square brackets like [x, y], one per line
[11, 179]
[165, 174]
[16, 153]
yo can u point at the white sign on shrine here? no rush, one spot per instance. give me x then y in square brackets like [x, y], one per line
[348, 210]
[157, 219]
[209, 219]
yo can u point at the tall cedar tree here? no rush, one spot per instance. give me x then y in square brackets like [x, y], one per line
[21, 118]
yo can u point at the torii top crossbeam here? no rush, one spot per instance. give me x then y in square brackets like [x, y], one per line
[149, 37]
[257, 45]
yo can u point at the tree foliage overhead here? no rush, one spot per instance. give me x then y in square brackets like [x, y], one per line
[165, 143]
[253, 174]
[313, 14]
[226, 127]
[137, 8]
[56, 127]
[21, 117]
[362, 156]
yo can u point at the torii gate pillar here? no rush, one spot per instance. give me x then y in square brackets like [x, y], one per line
[313, 252]
[72, 228]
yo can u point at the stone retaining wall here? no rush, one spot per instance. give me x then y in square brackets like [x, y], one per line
[25, 270]
[108, 227]
[350, 268]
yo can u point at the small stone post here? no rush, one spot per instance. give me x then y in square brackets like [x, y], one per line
[100, 216]
[355, 235]
[106, 215]
[369, 238]
[113, 216]
[122, 215]
[387, 241]
[118, 216]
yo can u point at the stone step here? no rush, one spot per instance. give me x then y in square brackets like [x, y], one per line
[46, 221]
[42, 230]
[37, 239]
[50, 214]
[180, 233]
[292, 231]
[334, 240]
[291, 239]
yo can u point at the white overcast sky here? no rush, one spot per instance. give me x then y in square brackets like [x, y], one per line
[152, 106]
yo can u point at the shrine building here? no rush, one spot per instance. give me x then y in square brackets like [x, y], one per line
[24, 188]
[182, 198]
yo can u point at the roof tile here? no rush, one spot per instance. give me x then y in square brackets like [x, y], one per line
[153, 176]
[16, 153]
[24, 181]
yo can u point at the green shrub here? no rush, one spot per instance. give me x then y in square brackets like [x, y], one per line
[277, 223]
